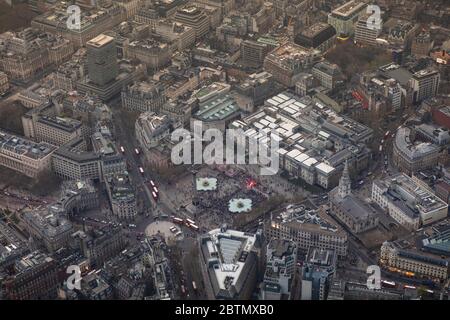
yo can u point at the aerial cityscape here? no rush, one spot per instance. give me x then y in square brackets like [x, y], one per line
[224, 150]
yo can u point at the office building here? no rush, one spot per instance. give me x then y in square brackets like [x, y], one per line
[386, 89]
[365, 35]
[143, 96]
[152, 53]
[4, 83]
[195, 17]
[35, 277]
[34, 96]
[281, 259]
[105, 75]
[228, 261]
[91, 111]
[94, 21]
[99, 245]
[25, 55]
[441, 116]
[328, 74]
[128, 72]
[425, 84]
[225, 6]
[305, 83]
[73, 161]
[258, 87]
[336, 290]
[25, 156]
[52, 230]
[401, 33]
[13, 246]
[411, 262]
[289, 60]
[253, 52]
[410, 156]
[409, 203]
[122, 196]
[317, 273]
[422, 44]
[432, 133]
[307, 228]
[320, 36]
[102, 60]
[95, 287]
[343, 18]
[182, 35]
[151, 129]
[54, 130]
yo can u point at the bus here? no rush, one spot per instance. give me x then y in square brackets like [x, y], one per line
[387, 134]
[194, 285]
[152, 183]
[154, 195]
[388, 284]
[141, 170]
[193, 226]
[155, 189]
[190, 221]
[136, 150]
[342, 37]
[179, 233]
[173, 229]
[122, 149]
[177, 220]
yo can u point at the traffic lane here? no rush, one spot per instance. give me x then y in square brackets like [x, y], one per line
[129, 145]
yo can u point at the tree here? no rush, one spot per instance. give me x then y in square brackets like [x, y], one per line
[45, 184]
[353, 59]
[15, 17]
[129, 120]
[11, 117]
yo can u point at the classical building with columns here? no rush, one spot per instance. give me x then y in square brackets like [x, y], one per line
[353, 212]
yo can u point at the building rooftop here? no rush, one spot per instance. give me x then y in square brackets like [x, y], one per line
[218, 108]
[23, 147]
[292, 51]
[412, 254]
[281, 247]
[355, 207]
[315, 29]
[65, 124]
[348, 8]
[328, 68]
[300, 217]
[48, 224]
[396, 72]
[439, 241]
[320, 257]
[413, 151]
[228, 252]
[32, 260]
[405, 192]
[121, 188]
[445, 110]
[100, 41]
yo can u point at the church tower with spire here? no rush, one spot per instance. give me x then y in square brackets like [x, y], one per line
[345, 182]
